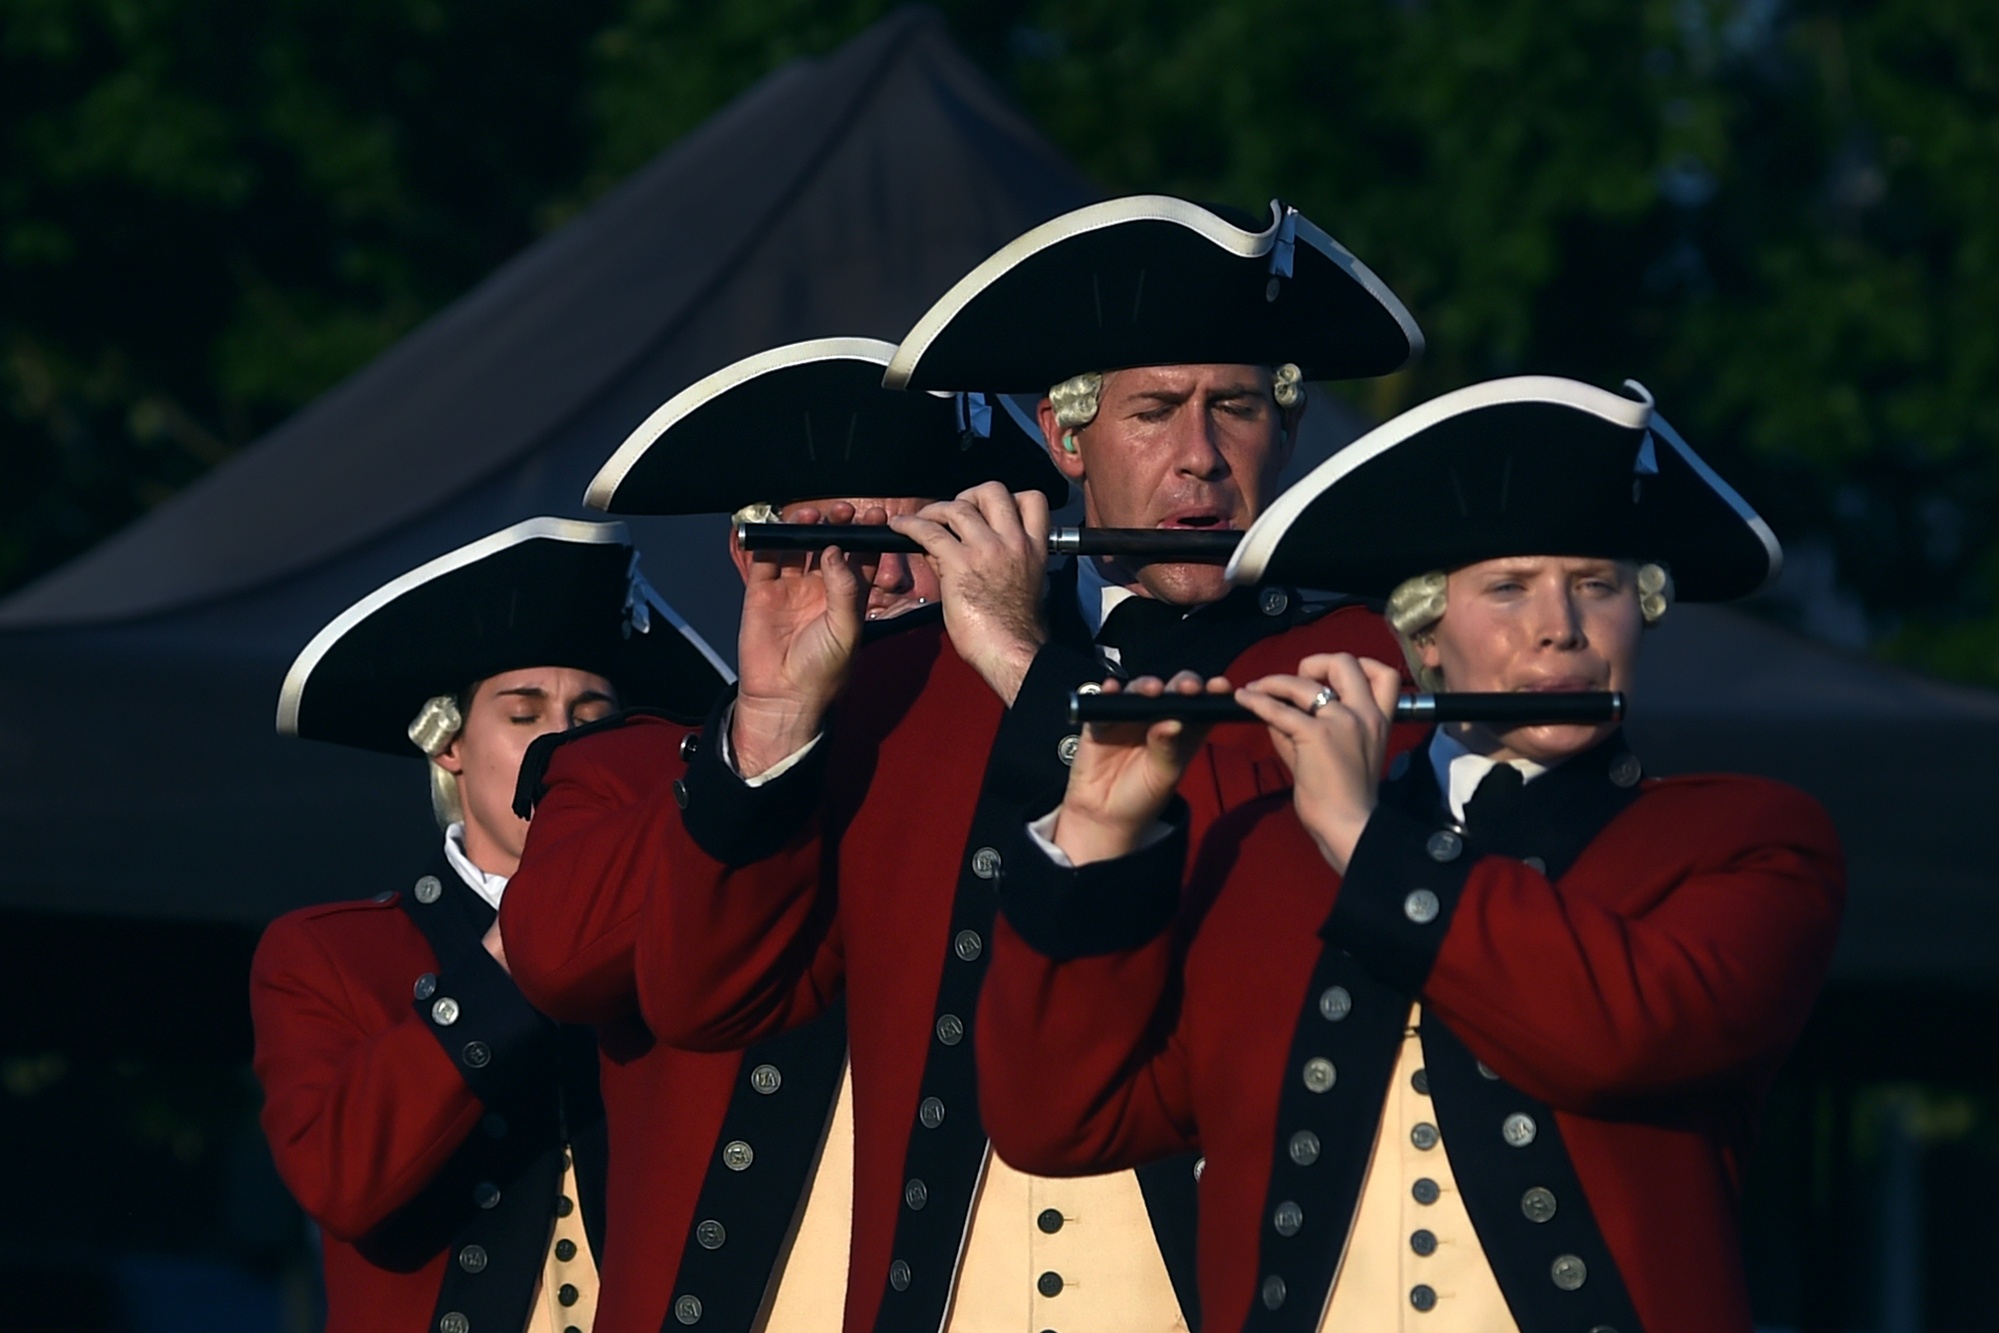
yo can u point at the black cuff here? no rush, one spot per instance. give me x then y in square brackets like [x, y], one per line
[1103, 907]
[1396, 900]
[733, 822]
[530, 788]
[496, 1039]
[1031, 736]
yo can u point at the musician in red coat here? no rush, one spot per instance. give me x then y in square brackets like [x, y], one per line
[1480, 1048]
[732, 1171]
[445, 1136]
[850, 805]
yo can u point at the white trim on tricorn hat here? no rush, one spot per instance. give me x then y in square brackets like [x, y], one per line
[745, 434]
[1001, 325]
[371, 702]
[1529, 465]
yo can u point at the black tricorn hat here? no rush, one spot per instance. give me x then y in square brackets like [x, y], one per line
[544, 592]
[812, 421]
[1153, 280]
[1533, 465]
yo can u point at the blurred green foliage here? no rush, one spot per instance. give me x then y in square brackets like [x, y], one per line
[1778, 215]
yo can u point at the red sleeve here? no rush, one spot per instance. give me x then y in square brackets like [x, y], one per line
[1080, 1069]
[737, 954]
[360, 1115]
[598, 846]
[1585, 1001]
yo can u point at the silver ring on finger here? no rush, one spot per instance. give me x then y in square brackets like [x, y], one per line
[1325, 696]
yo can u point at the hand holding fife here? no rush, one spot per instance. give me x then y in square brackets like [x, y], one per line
[1330, 726]
[1125, 773]
[990, 550]
[802, 618]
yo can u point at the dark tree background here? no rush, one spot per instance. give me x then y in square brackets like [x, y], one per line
[1780, 216]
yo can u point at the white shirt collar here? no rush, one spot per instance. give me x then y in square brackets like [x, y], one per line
[489, 887]
[1096, 596]
[1459, 771]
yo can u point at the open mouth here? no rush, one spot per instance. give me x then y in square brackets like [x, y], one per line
[1200, 519]
[1559, 685]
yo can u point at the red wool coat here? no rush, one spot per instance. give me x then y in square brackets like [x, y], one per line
[1640, 1001]
[407, 1131]
[570, 921]
[880, 897]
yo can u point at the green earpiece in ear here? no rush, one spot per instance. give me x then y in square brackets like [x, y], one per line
[1068, 441]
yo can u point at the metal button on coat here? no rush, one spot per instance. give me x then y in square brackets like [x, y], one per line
[688, 1309]
[766, 1079]
[680, 792]
[1089, 687]
[968, 946]
[486, 1194]
[444, 1011]
[1273, 601]
[1319, 1074]
[428, 889]
[1288, 1218]
[1568, 1272]
[472, 1258]
[1425, 1191]
[1424, 1135]
[1049, 1220]
[1625, 771]
[384, 896]
[737, 1155]
[426, 986]
[690, 745]
[1271, 289]
[916, 1194]
[931, 1113]
[477, 1055]
[565, 1249]
[1537, 1204]
[898, 1275]
[567, 1294]
[1421, 906]
[1274, 1292]
[1444, 845]
[1535, 864]
[1519, 1129]
[1423, 1296]
[1065, 749]
[1304, 1147]
[1420, 1081]
[1335, 1003]
[453, 1322]
[1601, 1328]
[1485, 1071]
[950, 1029]
[1423, 1242]
[986, 863]
[710, 1234]
[1049, 1284]
[564, 1205]
[1200, 1165]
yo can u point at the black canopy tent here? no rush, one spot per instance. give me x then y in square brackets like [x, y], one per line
[152, 818]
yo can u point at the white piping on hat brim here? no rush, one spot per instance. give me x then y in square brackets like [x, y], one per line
[579, 531]
[1116, 212]
[603, 489]
[1772, 548]
[1259, 543]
